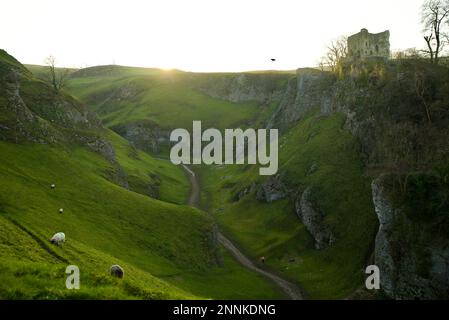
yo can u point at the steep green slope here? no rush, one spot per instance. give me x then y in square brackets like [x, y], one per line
[122, 95]
[377, 138]
[144, 105]
[274, 230]
[167, 250]
[342, 134]
[98, 215]
[33, 269]
[265, 229]
[103, 220]
[150, 176]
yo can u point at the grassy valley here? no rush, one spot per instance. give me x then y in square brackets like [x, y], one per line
[274, 230]
[109, 217]
[103, 140]
[123, 95]
[265, 229]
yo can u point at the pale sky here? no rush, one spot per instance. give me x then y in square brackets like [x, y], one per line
[197, 35]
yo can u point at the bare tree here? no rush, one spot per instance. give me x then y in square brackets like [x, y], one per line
[411, 53]
[421, 92]
[56, 77]
[336, 50]
[435, 14]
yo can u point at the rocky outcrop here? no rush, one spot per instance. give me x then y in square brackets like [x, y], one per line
[117, 174]
[313, 219]
[144, 135]
[383, 250]
[243, 87]
[271, 190]
[410, 267]
[245, 191]
[310, 89]
[32, 111]
[19, 118]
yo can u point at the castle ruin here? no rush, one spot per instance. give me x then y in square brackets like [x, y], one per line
[365, 45]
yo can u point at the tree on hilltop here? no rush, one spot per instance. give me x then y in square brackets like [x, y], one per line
[56, 77]
[336, 50]
[435, 17]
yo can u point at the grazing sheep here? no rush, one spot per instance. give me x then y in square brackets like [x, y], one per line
[117, 271]
[58, 238]
[61, 210]
[53, 186]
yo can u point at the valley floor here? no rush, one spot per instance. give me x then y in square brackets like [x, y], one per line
[291, 290]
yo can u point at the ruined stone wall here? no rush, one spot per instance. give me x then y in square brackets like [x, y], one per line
[369, 45]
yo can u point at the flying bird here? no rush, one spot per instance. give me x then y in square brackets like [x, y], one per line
[273, 60]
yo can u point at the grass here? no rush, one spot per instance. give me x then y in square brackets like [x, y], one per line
[32, 270]
[171, 99]
[164, 97]
[230, 282]
[165, 248]
[274, 231]
[91, 201]
[104, 224]
[123, 95]
[146, 173]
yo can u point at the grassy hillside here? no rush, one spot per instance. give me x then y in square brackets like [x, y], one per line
[122, 95]
[275, 231]
[272, 230]
[103, 220]
[166, 249]
[392, 114]
[128, 231]
[32, 269]
[148, 175]
[42, 72]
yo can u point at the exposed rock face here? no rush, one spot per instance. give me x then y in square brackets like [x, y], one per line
[383, 251]
[144, 135]
[102, 147]
[245, 191]
[410, 268]
[23, 116]
[118, 175]
[310, 89]
[241, 87]
[272, 189]
[33, 111]
[313, 219]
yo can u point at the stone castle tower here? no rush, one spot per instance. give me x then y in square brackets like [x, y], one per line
[365, 45]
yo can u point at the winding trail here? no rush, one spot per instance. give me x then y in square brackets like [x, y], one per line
[289, 288]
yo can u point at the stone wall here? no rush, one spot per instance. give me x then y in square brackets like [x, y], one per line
[369, 45]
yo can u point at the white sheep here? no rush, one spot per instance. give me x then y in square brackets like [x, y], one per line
[58, 238]
[53, 186]
[117, 271]
[61, 210]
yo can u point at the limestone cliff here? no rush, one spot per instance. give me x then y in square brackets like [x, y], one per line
[260, 87]
[144, 135]
[413, 260]
[313, 219]
[310, 89]
[33, 111]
